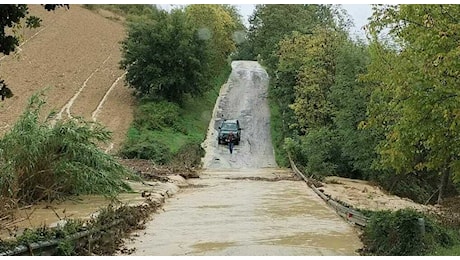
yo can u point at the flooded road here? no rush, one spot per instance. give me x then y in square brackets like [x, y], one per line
[221, 216]
[241, 205]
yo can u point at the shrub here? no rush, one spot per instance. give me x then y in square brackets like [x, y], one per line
[318, 152]
[41, 160]
[145, 146]
[156, 115]
[399, 234]
[189, 155]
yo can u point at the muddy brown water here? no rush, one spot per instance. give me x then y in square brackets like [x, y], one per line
[83, 207]
[218, 215]
[245, 217]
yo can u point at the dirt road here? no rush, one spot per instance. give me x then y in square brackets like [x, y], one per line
[242, 204]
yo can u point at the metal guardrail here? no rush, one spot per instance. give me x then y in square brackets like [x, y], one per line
[350, 215]
[29, 248]
[49, 245]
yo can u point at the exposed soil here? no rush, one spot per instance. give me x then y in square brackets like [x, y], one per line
[75, 54]
[364, 195]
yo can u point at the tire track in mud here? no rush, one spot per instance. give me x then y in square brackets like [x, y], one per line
[6, 126]
[62, 56]
[19, 47]
[95, 113]
[56, 14]
[28, 39]
[69, 104]
[98, 109]
[101, 103]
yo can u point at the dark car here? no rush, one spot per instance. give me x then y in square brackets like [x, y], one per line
[227, 126]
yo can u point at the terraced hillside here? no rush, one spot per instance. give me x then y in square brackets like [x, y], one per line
[75, 55]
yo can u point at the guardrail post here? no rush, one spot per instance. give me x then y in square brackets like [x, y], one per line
[421, 224]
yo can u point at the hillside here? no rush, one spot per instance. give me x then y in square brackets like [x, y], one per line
[75, 55]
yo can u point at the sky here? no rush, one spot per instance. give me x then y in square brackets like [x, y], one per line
[358, 12]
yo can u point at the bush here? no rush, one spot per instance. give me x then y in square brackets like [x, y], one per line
[399, 234]
[145, 147]
[41, 160]
[189, 155]
[319, 153]
[157, 115]
[276, 130]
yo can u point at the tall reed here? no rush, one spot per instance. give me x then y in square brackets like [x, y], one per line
[44, 161]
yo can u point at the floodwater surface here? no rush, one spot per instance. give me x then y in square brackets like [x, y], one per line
[82, 207]
[246, 217]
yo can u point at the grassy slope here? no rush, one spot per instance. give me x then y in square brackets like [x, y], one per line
[193, 119]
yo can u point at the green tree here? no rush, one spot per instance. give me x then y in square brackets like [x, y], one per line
[271, 23]
[165, 57]
[216, 24]
[418, 79]
[316, 76]
[278, 36]
[350, 98]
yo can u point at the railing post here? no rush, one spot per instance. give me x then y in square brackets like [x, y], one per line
[421, 224]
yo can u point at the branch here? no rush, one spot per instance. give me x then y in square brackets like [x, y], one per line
[451, 17]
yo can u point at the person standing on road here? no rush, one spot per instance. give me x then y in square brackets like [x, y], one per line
[230, 140]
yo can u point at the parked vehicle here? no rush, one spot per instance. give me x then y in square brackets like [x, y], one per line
[227, 126]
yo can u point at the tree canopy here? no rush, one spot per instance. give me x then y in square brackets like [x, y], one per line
[164, 56]
[416, 99]
[171, 54]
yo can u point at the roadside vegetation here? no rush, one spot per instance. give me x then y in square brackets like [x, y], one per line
[167, 133]
[385, 110]
[176, 62]
[100, 235]
[42, 160]
[408, 233]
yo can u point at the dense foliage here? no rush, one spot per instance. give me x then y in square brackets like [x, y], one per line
[415, 99]
[405, 233]
[45, 161]
[177, 61]
[165, 57]
[383, 111]
[271, 23]
[166, 133]
[169, 55]
[218, 25]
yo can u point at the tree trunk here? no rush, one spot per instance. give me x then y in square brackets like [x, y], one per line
[444, 180]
